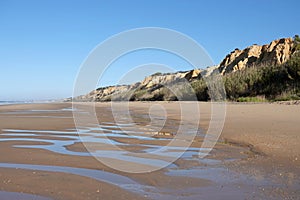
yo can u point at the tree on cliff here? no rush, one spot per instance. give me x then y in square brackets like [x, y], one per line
[297, 42]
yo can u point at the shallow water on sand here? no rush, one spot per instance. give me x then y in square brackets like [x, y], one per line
[57, 145]
[107, 177]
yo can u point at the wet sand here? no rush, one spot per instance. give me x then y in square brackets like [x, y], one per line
[257, 155]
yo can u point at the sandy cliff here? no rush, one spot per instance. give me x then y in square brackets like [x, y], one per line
[151, 88]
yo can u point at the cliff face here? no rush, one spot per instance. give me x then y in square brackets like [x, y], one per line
[148, 89]
[277, 52]
[164, 79]
[151, 88]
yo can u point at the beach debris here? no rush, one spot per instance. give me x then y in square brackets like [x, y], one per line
[163, 134]
[159, 133]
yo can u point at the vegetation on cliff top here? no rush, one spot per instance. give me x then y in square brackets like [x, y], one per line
[259, 83]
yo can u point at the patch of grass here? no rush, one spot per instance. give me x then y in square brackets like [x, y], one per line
[252, 99]
[287, 97]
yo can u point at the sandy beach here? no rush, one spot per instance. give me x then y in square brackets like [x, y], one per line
[150, 100]
[257, 155]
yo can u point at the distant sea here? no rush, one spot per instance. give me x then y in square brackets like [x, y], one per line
[14, 102]
[26, 102]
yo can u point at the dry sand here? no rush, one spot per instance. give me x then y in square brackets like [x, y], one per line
[263, 140]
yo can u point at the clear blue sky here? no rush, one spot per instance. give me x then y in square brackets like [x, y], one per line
[43, 43]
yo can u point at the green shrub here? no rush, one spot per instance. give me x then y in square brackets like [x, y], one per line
[297, 43]
[201, 90]
[139, 93]
[157, 74]
[272, 81]
[293, 66]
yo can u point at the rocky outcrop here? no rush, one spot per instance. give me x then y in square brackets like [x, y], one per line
[154, 87]
[151, 88]
[277, 52]
[159, 78]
